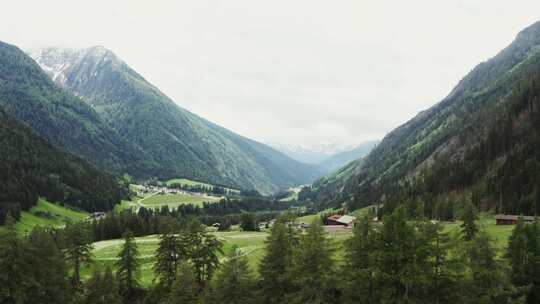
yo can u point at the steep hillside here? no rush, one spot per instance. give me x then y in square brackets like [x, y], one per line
[27, 94]
[341, 159]
[46, 214]
[479, 143]
[182, 144]
[30, 167]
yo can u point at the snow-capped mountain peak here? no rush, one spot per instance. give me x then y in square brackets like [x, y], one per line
[57, 61]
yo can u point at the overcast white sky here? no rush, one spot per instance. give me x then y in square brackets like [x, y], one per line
[292, 72]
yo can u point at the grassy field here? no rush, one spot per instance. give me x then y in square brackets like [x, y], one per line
[47, 214]
[105, 252]
[188, 182]
[293, 194]
[499, 233]
[175, 200]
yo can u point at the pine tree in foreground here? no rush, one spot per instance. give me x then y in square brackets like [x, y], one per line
[185, 289]
[48, 270]
[276, 264]
[234, 280]
[78, 249]
[313, 268]
[469, 217]
[167, 258]
[14, 272]
[128, 271]
[358, 270]
[101, 288]
[489, 283]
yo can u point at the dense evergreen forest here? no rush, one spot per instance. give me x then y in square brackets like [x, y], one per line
[31, 167]
[399, 261]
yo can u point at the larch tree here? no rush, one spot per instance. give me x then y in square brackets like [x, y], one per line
[101, 288]
[167, 258]
[469, 217]
[78, 249]
[185, 289]
[48, 270]
[234, 280]
[128, 272]
[359, 266]
[313, 267]
[276, 264]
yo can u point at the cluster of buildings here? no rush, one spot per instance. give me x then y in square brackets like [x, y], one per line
[163, 190]
[148, 189]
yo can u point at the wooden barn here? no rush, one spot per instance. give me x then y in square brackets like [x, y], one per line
[340, 220]
[506, 219]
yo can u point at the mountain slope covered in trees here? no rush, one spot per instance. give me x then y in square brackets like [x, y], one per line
[478, 144]
[31, 168]
[181, 143]
[27, 94]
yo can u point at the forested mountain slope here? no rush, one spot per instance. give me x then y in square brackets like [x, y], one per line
[27, 94]
[480, 143]
[30, 167]
[181, 143]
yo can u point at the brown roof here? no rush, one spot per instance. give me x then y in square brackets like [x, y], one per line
[334, 217]
[514, 217]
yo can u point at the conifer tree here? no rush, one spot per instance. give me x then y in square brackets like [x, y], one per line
[128, 272]
[533, 268]
[469, 218]
[78, 249]
[489, 284]
[359, 267]
[396, 259]
[185, 289]
[313, 266]
[14, 272]
[234, 281]
[518, 255]
[48, 270]
[276, 264]
[202, 250]
[101, 288]
[168, 256]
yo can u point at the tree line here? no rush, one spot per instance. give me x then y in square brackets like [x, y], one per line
[247, 212]
[398, 261]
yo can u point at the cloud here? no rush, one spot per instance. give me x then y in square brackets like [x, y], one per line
[300, 71]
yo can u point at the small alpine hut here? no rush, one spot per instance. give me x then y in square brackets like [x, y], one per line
[340, 220]
[506, 219]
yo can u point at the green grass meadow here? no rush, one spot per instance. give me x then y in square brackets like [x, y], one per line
[189, 182]
[175, 200]
[105, 252]
[46, 214]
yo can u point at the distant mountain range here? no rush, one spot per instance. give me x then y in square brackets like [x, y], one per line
[328, 157]
[161, 139]
[478, 144]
